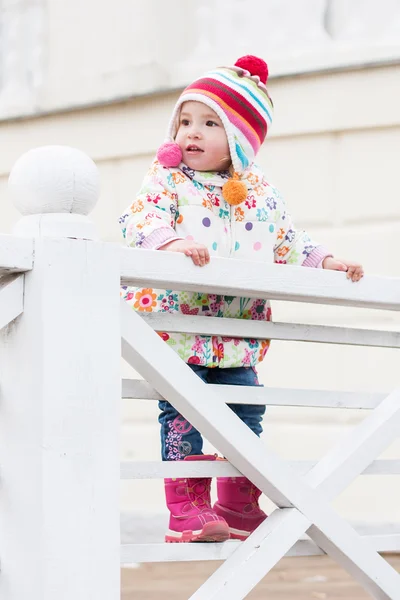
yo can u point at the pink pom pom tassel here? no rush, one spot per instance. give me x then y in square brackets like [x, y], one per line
[169, 154]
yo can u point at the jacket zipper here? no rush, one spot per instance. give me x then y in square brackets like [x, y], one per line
[232, 214]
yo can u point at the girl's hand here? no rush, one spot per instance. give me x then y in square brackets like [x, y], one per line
[354, 270]
[197, 252]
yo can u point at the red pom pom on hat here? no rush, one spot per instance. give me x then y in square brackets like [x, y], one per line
[255, 66]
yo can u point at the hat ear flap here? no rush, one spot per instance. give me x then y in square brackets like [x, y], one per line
[169, 154]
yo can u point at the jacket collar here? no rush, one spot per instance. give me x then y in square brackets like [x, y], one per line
[206, 178]
[218, 178]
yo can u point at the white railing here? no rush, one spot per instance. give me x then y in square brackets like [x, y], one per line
[62, 324]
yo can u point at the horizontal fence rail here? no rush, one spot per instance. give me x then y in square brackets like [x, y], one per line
[382, 542]
[159, 470]
[170, 270]
[296, 332]
[138, 389]
[16, 254]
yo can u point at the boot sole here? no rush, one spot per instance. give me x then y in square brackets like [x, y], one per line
[239, 534]
[211, 532]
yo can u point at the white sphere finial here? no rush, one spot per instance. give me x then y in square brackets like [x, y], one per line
[55, 188]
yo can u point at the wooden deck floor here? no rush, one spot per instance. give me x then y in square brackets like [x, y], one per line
[304, 578]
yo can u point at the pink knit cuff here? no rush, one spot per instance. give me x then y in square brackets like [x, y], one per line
[159, 237]
[316, 258]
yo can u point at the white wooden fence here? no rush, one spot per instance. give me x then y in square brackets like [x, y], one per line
[62, 322]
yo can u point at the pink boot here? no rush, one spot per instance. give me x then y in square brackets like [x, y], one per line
[192, 519]
[238, 505]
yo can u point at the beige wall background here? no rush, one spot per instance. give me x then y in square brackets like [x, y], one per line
[104, 77]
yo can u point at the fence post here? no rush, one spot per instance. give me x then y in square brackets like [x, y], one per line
[60, 393]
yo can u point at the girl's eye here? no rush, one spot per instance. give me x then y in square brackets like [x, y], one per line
[211, 124]
[185, 122]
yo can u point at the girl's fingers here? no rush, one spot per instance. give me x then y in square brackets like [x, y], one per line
[355, 273]
[199, 254]
[196, 257]
[202, 255]
[359, 273]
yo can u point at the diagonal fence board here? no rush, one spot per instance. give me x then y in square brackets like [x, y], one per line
[253, 559]
[172, 270]
[146, 352]
[358, 449]
[16, 254]
[296, 332]
[138, 389]
[332, 474]
[11, 298]
[221, 468]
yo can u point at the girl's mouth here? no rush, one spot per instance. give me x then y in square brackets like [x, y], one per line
[193, 149]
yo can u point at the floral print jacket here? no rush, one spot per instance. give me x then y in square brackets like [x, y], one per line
[179, 203]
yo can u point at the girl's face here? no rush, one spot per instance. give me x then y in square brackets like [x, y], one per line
[202, 138]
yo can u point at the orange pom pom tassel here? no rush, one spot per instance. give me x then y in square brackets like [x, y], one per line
[234, 191]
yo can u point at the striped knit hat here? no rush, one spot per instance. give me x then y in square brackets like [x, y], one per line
[239, 97]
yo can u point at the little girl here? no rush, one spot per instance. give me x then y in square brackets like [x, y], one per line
[204, 196]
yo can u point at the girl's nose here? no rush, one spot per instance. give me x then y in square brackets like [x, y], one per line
[194, 133]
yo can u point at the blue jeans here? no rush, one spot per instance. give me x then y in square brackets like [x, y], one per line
[179, 438]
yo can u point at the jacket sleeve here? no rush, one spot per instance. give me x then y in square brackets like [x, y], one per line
[293, 246]
[149, 222]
